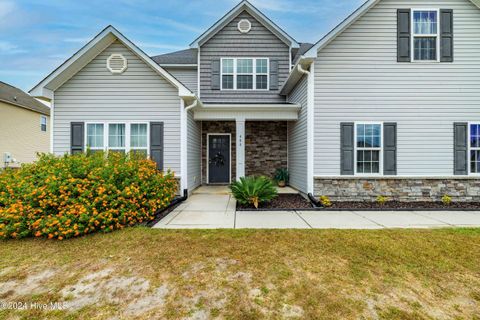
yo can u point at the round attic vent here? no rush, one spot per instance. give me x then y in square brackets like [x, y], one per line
[116, 63]
[244, 26]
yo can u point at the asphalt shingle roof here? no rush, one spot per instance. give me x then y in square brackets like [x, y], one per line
[304, 47]
[19, 98]
[188, 56]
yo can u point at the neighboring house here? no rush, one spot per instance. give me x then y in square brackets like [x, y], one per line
[24, 127]
[387, 103]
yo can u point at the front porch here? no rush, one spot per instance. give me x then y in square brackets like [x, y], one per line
[232, 149]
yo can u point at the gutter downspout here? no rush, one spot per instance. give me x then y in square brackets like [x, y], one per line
[301, 70]
[184, 143]
[191, 106]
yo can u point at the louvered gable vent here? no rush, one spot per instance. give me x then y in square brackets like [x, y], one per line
[116, 63]
[244, 26]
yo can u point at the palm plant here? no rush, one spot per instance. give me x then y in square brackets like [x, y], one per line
[253, 190]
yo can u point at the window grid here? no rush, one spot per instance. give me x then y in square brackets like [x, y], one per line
[474, 143]
[118, 137]
[425, 34]
[368, 144]
[244, 73]
[43, 123]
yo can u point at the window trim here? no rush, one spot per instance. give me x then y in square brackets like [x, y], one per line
[413, 35]
[254, 73]
[356, 148]
[41, 123]
[128, 146]
[470, 148]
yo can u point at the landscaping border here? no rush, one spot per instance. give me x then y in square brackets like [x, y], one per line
[160, 214]
[318, 207]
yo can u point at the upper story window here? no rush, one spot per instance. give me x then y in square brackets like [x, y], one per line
[244, 74]
[43, 123]
[425, 35]
[368, 143]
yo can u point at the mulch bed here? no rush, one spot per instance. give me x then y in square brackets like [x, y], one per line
[396, 205]
[282, 202]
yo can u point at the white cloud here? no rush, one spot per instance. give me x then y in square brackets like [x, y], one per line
[179, 25]
[6, 7]
[76, 40]
[10, 48]
[159, 46]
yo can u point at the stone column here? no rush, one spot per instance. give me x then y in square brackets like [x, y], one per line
[240, 130]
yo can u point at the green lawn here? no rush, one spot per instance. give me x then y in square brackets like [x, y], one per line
[234, 274]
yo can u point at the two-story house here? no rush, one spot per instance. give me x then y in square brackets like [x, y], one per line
[385, 104]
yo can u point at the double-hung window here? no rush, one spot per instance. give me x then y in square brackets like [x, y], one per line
[474, 144]
[95, 137]
[368, 144]
[425, 35]
[43, 123]
[118, 137]
[245, 73]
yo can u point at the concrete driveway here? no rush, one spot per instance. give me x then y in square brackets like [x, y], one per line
[214, 208]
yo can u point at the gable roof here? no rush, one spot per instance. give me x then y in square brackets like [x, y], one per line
[312, 53]
[257, 14]
[182, 57]
[87, 53]
[17, 97]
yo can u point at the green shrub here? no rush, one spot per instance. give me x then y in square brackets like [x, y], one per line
[382, 199]
[253, 190]
[446, 200]
[64, 197]
[325, 201]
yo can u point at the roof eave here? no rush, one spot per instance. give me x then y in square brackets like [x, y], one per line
[295, 75]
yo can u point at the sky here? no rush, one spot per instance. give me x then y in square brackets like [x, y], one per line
[36, 36]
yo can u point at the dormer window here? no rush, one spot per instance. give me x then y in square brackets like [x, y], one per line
[244, 74]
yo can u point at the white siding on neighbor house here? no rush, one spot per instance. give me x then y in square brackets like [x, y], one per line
[194, 155]
[188, 77]
[357, 78]
[297, 138]
[95, 94]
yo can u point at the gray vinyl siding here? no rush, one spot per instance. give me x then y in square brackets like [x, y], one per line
[297, 138]
[229, 42]
[357, 78]
[94, 94]
[188, 77]
[194, 141]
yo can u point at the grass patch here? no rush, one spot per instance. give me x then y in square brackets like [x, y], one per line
[247, 274]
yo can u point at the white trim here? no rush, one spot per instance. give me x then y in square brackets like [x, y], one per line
[198, 73]
[240, 147]
[52, 122]
[469, 149]
[127, 124]
[247, 6]
[253, 74]
[208, 155]
[107, 33]
[380, 149]
[310, 127]
[413, 35]
[183, 147]
[458, 177]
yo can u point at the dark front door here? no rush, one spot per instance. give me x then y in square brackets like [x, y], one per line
[219, 158]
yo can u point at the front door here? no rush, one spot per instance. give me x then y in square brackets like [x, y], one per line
[219, 158]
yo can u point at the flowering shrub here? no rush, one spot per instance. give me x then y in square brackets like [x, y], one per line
[69, 196]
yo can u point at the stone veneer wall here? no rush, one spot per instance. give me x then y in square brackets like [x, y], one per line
[218, 127]
[265, 147]
[401, 189]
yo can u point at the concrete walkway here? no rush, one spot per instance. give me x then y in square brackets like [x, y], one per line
[214, 208]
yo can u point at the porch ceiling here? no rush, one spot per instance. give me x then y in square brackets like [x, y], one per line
[270, 112]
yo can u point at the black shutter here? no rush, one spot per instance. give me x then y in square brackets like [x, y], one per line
[347, 148]
[156, 143]
[403, 35]
[77, 134]
[390, 149]
[460, 146]
[446, 35]
[273, 74]
[216, 74]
